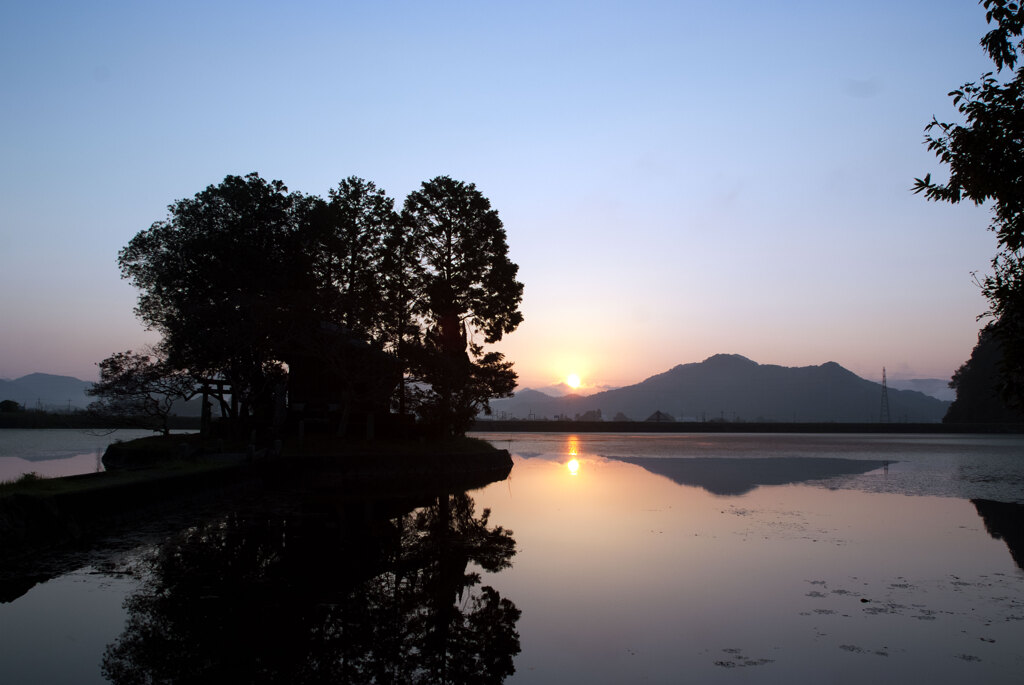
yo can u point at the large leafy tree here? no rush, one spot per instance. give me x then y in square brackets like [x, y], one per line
[348, 329]
[245, 277]
[985, 156]
[400, 282]
[220, 279]
[353, 227]
[468, 296]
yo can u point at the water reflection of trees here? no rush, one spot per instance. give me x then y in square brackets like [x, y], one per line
[324, 596]
[1004, 521]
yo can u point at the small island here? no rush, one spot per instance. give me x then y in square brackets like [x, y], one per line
[336, 341]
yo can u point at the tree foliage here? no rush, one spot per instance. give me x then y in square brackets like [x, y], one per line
[468, 295]
[246, 277]
[976, 382]
[347, 260]
[140, 385]
[221, 278]
[10, 406]
[466, 269]
[985, 156]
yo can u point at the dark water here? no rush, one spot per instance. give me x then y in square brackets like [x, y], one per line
[601, 559]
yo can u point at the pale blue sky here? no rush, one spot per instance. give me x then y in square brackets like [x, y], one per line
[677, 179]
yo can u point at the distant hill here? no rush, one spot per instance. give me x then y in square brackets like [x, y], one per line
[47, 391]
[733, 388]
[933, 387]
[61, 393]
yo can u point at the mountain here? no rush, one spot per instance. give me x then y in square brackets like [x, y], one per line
[738, 476]
[562, 389]
[61, 393]
[933, 387]
[46, 391]
[731, 387]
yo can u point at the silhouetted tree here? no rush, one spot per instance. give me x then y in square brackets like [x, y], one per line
[10, 406]
[467, 291]
[245, 277]
[977, 386]
[353, 227]
[142, 386]
[401, 289]
[985, 156]
[220, 279]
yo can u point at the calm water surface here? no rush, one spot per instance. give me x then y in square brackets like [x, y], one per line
[639, 560]
[601, 559]
[52, 452]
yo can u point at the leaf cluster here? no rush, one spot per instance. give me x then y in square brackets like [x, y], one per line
[985, 157]
[245, 276]
[464, 263]
[142, 385]
[985, 153]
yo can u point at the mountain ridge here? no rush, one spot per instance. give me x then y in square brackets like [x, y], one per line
[722, 387]
[46, 391]
[56, 393]
[735, 388]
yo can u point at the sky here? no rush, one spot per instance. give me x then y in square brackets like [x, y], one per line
[677, 179]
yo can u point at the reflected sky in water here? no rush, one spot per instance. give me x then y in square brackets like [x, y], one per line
[626, 575]
[604, 558]
[967, 466]
[55, 452]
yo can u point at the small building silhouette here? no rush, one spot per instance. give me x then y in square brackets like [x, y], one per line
[341, 383]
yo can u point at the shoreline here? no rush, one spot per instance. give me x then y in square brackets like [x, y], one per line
[55, 511]
[495, 426]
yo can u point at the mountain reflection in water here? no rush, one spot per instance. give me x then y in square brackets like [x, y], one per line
[738, 476]
[308, 594]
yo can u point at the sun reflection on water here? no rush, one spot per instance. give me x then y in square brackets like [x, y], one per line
[572, 448]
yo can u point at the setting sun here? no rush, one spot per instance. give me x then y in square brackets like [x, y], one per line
[572, 380]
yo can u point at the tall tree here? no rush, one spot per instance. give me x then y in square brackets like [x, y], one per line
[357, 221]
[220, 279]
[985, 156]
[400, 283]
[469, 296]
[245, 277]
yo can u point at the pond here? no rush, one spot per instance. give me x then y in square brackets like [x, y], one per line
[600, 559]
